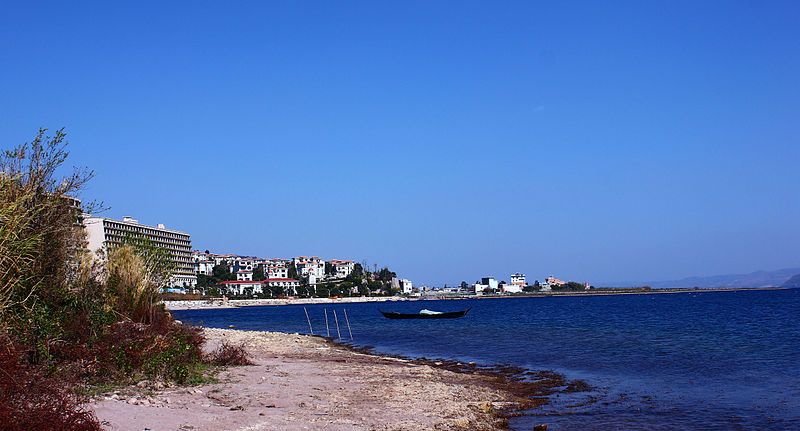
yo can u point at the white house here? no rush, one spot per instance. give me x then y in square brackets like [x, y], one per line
[313, 265]
[241, 264]
[405, 285]
[518, 279]
[205, 267]
[241, 287]
[277, 272]
[490, 282]
[289, 285]
[243, 275]
[222, 259]
[342, 268]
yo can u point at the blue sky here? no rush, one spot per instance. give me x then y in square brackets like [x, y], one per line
[594, 141]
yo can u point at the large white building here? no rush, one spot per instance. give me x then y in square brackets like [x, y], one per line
[205, 267]
[406, 286]
[310, 266]
[104, 233]
[277, 272]
[518, 279]
[342, 268]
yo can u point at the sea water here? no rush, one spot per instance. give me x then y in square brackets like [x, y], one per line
[696, 360]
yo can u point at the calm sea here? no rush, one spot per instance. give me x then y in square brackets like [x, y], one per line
[699, 360]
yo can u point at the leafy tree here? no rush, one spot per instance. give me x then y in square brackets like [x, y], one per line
[292, 271]
[570, 287]
[464, 285]
[330, 269]
[206, 281]
[222, 272]
[385, 275]
[374, 285]
[258, 274]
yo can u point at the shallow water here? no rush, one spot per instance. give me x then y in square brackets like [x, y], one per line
[699, 360]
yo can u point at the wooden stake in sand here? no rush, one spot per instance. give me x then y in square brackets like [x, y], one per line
[309, 321]
[348, 324]
[326, 323]
[337, 323]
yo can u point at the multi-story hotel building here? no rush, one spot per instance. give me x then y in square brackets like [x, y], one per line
[107, 233]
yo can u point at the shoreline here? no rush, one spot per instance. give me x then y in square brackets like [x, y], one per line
[199, 304]
[309, 381]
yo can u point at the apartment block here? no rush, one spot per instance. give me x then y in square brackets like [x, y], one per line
[104, 233]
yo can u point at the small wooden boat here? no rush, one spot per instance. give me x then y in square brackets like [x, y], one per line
[425, 314]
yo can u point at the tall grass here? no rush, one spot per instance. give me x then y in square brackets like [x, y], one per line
[39, 237]
[136, 276]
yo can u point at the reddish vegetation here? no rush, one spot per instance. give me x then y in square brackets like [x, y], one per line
[162, 350]
[228, 354]
[32, 400]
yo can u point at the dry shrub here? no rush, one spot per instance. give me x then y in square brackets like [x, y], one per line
[228, 354]
[32, 400]
[162, 350]
[182, 296]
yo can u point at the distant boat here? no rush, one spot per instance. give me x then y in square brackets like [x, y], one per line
[425, 314]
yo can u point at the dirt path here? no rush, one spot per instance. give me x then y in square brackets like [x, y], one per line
[301, 382]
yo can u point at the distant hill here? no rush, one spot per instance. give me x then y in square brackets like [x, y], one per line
[754, 279]
[792, 282]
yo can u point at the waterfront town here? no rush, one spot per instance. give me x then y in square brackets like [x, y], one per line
[232, 275]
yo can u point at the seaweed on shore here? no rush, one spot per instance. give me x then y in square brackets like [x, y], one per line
[533, 388]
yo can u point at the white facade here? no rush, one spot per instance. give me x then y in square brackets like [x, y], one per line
[222, 259]
[343, 268]
[244, 275]
[284, 263]
[310, 265]
[258, 287]
[205, 267]
[511, 288]
[405, 285]
[241, 287]
[241, 264]
[103, 233]
[479, 288]
[277, 272]
[490, 282]
[518, 279]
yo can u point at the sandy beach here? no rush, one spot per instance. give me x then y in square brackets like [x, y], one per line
[306, 382]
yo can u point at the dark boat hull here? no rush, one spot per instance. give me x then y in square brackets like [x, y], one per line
[451, 315]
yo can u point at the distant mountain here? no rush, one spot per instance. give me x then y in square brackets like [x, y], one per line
[792, 282]
[754, 279]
